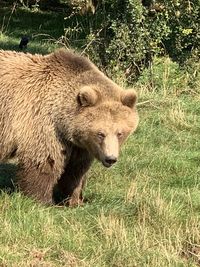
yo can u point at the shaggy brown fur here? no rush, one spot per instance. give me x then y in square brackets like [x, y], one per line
[58, 112]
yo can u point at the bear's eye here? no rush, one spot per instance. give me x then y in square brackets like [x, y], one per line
[119, 135]
[101, 135]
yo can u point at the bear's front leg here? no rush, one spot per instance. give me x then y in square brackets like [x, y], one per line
[72, 180]
[40, 153]
[38, 181]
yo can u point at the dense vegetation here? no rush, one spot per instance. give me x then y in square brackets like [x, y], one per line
[145, 211]
[124, 36]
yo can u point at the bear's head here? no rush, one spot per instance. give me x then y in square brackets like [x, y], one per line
[103, 123]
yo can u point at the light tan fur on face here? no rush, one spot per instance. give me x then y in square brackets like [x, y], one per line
[111, 124]
[51, 110]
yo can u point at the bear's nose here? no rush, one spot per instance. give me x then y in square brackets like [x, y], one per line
[110, 160]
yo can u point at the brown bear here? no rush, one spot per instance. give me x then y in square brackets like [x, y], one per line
[57, 113]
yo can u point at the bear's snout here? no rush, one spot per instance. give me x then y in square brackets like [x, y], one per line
[109, 161]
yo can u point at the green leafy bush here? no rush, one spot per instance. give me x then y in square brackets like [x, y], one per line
[124, 35]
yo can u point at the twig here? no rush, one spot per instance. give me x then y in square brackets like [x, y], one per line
[2, 26]
[12, 11]
[143, 103]
[93, 40]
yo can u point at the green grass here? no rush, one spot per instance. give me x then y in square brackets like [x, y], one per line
[144, 211]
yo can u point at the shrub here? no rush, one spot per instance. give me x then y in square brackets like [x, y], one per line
[124, 35]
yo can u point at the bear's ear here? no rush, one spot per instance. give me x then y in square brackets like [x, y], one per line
[87, 96]
[129, 98]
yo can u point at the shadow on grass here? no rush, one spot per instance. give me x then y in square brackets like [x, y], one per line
[42, 28]
[33, 48]
[24, 21]
[7, 177]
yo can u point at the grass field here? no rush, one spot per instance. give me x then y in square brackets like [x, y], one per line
[144, 211]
